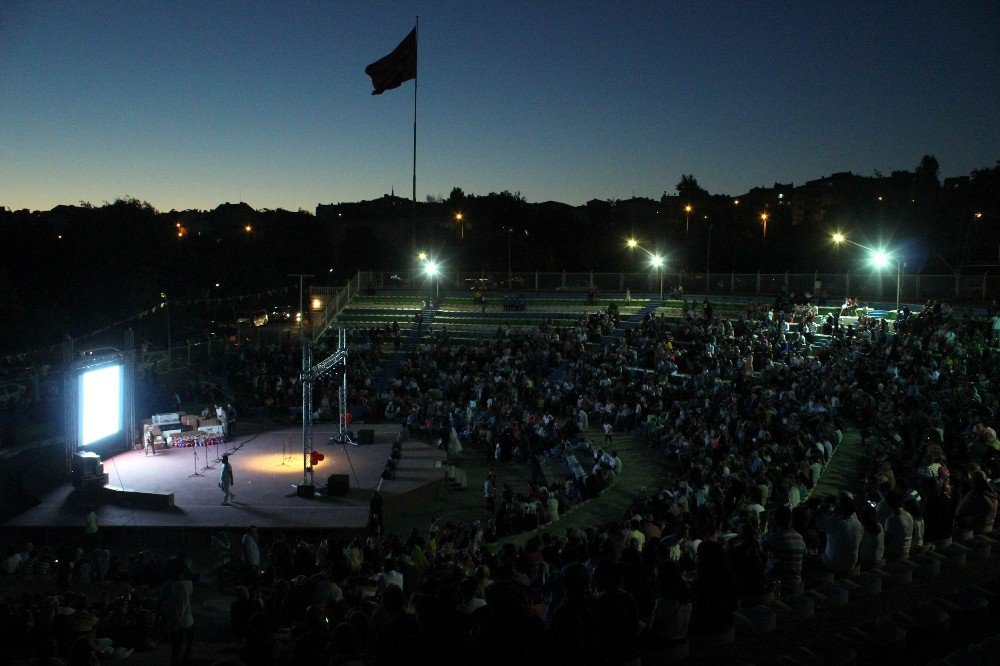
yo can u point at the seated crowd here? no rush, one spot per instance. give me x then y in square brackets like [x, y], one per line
[745, 416]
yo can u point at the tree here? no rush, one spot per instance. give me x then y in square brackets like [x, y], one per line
[689, 190]
[457, 197]
[927, 171]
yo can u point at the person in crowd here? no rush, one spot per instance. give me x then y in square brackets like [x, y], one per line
[175, 610]
[251, 551]
[871, 553]
[716, 597]
[786, 550]
[898, 529]
[978, 508]
[843, 535]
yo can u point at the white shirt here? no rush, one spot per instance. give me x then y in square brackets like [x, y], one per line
[90, 523]
[176, 605]
[251, 552]
[843, 538]
[471, 606]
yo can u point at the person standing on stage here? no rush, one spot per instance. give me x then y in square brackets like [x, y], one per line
[226, 482]
[230, 421]
[220, 414]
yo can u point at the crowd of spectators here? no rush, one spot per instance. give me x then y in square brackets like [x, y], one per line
[744, 413]
[268, 376]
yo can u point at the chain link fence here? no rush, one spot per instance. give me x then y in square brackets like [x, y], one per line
[865, 286]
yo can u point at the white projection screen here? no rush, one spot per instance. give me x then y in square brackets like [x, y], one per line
[100, 403]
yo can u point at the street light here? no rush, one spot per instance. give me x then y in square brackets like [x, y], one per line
[880, 259]
[431, 269]
[687, 218]
[763, 219]
[657, 262]
[461, 224]
[422, 256]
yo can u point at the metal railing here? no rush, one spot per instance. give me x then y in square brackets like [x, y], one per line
[868, 286]
[333, 300]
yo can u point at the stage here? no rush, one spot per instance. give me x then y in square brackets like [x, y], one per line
[264, 485]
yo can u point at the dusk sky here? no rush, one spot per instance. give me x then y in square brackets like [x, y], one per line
[187, 105]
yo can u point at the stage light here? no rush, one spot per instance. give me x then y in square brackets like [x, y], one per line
[248, 228]
[422, 256]
[317, 303]
[431, 269]
[632, 243]
[839, 237]
[100, 403]
[656, 261]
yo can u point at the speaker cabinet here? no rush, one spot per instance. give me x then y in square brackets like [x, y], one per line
[338, 485]
[306, 490]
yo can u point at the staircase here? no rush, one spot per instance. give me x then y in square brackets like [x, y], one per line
[409, 342]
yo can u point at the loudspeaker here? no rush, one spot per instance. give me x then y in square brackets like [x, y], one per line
[338, 485]
[306, 490]
[86, 464]
[366, 437]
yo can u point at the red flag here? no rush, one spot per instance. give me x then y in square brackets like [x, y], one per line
[397, 67]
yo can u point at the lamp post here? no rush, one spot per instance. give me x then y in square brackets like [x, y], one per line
[631, 244]
[708, 255]
[763, 220]
[431, 269]
[510, 230]
[166, 304]
[657, 262]
[461, 224]
[880, 259]
[687, 218]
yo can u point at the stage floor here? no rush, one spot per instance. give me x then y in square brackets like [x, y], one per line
[264, 487]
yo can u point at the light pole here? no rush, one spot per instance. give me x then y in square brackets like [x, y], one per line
[708, 255]
[687, 218]
[431, 270]
[657, 262]
[880, 259]
[763, 220]
[166, 304]
[461, 224]
[510, 230]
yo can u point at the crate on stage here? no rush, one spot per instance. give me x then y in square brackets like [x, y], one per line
[338, 485]
[87, 471]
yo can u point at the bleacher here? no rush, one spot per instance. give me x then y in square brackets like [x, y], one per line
[466, 319]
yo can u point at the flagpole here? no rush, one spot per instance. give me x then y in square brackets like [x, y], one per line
[416, 40]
